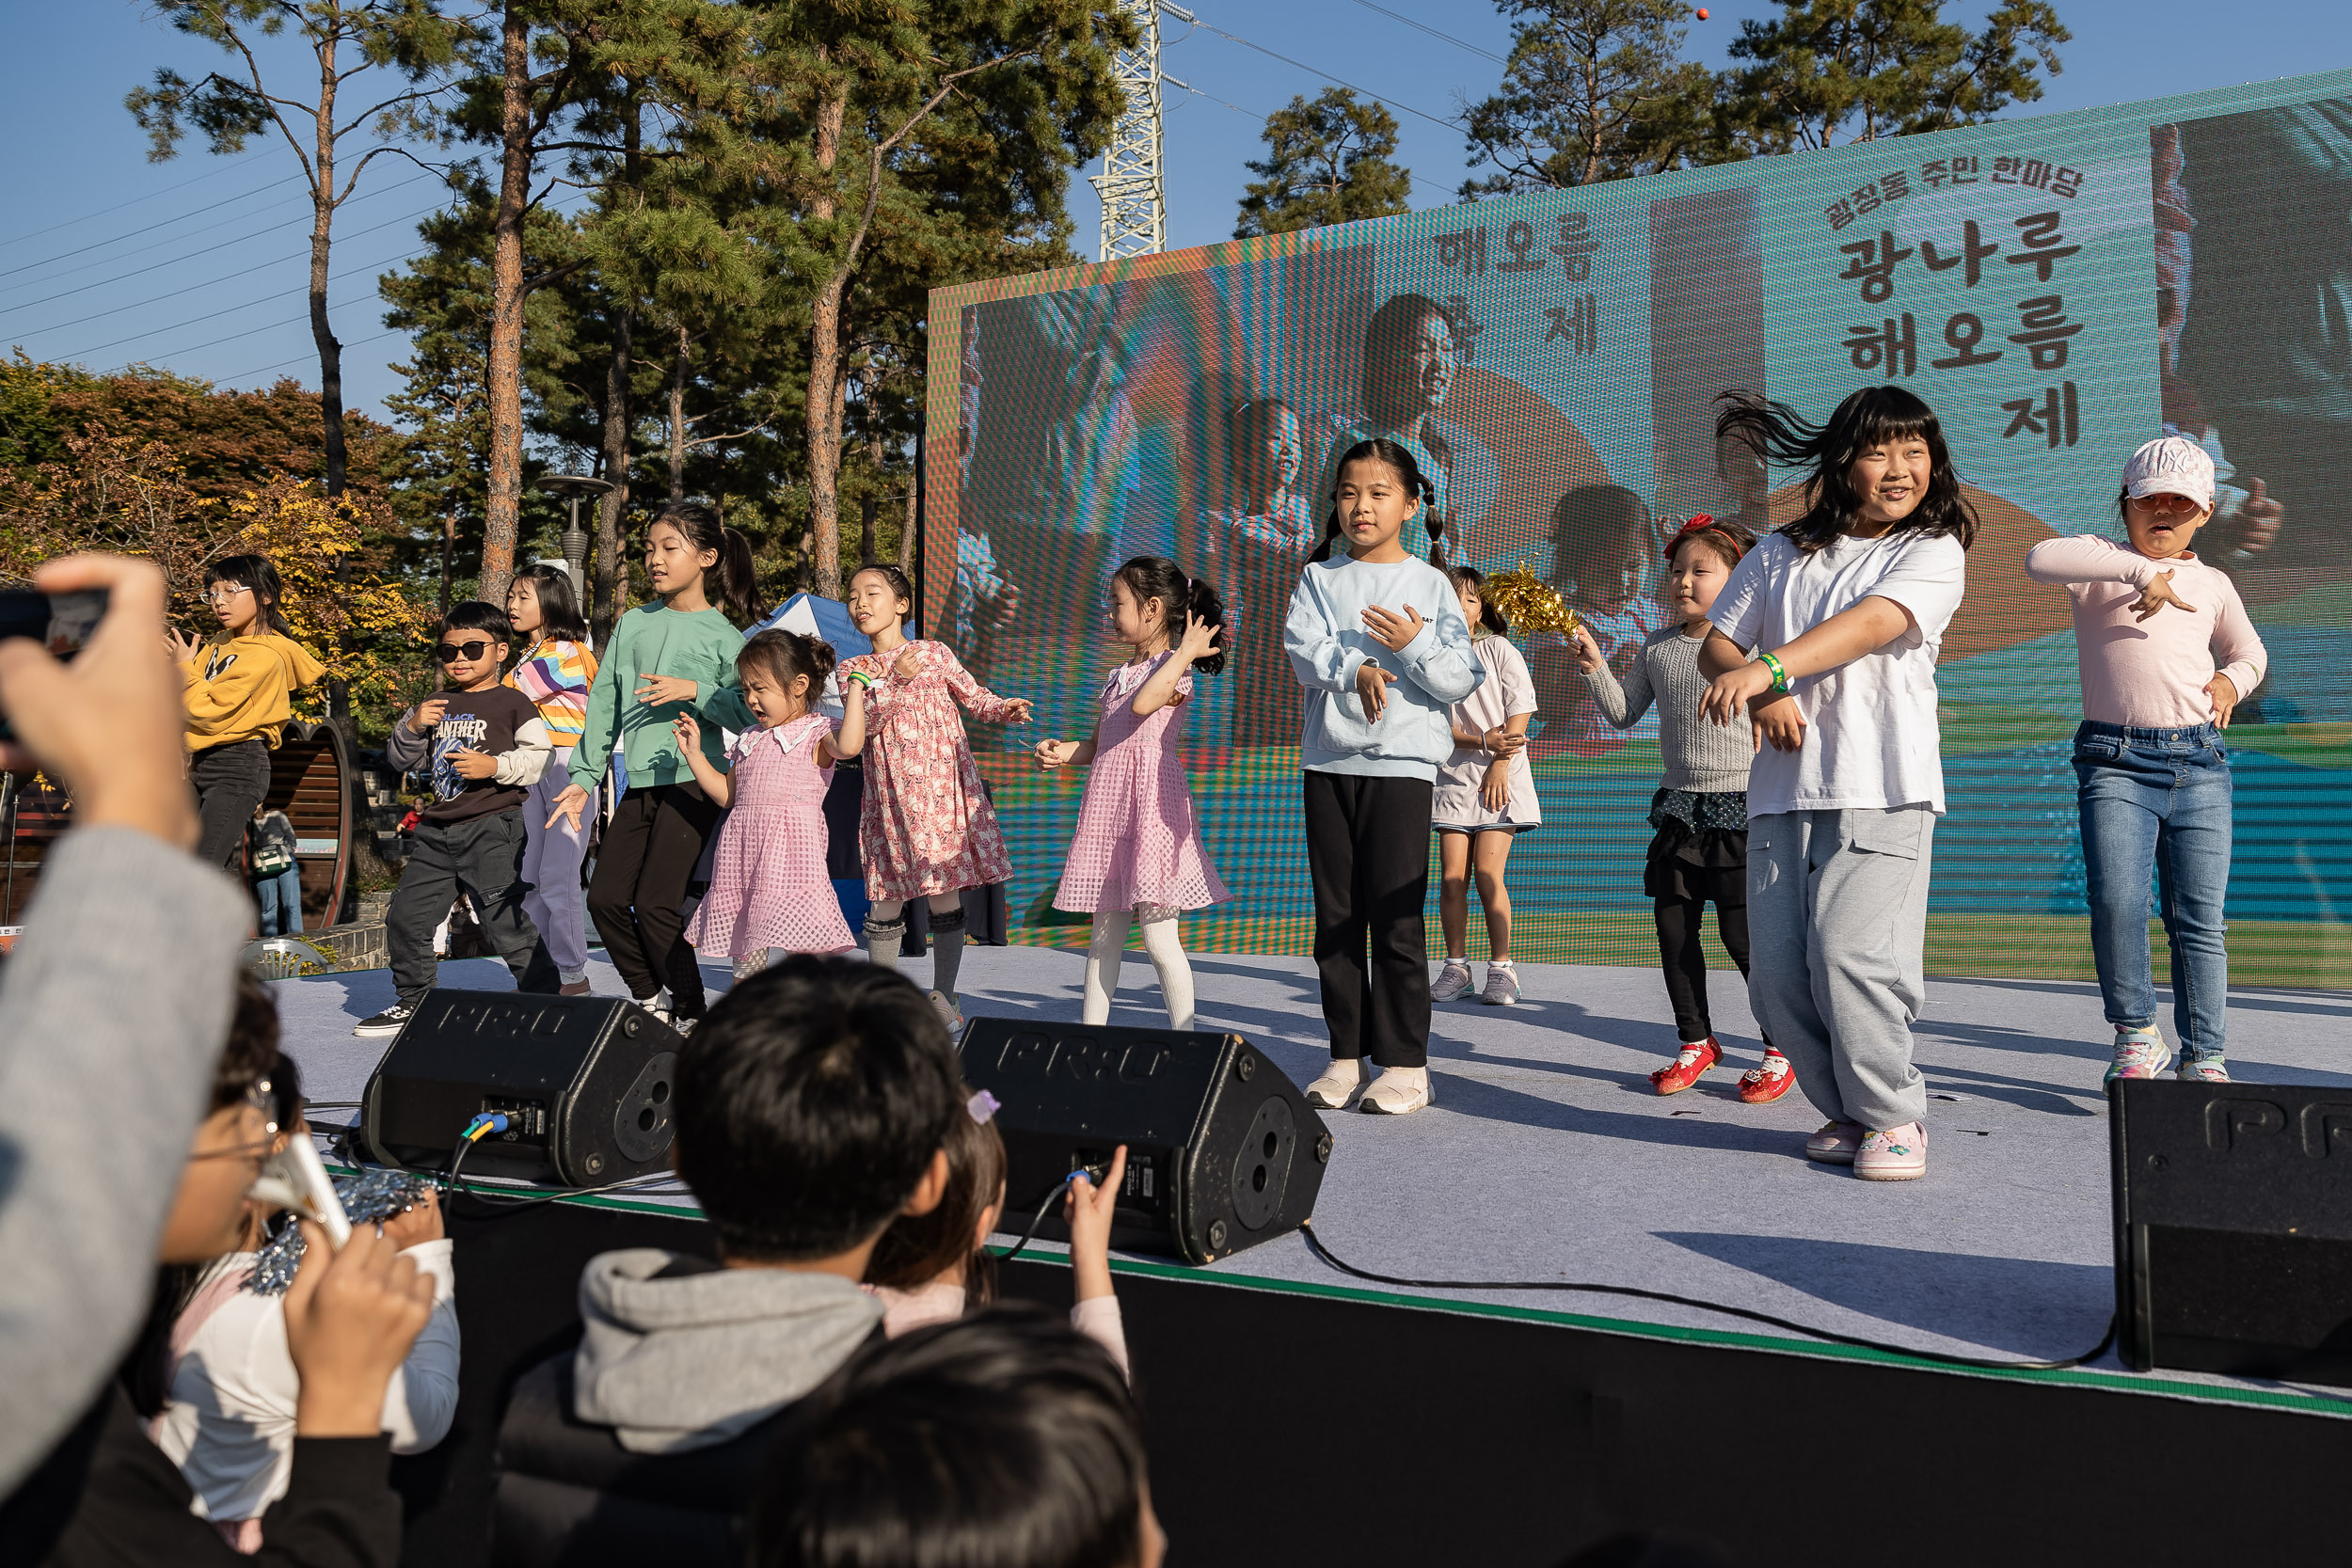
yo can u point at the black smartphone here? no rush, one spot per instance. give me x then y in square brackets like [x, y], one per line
[60, 621]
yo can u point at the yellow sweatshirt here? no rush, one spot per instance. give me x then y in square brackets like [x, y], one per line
[243, 687]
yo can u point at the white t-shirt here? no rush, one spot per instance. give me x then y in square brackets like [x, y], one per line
[1507, 691]
[1871, 734]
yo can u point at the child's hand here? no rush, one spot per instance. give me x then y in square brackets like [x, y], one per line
[2158, 594]
[1582, 649]
[1055, 754]
[1371, 688]
[569, 802]
[2224, 697]
[470, 763]
[1502, 743]
[1779, 723]
[417, 1226]
[1086, 1209]
[1019, 710]
[2259, 520]
[1392, 630]
[1494, 792]
[688, 734]
[184, 647]
[909, 663]
[654, 691]
[1199, 640]
[1727, 692]
[428, 715]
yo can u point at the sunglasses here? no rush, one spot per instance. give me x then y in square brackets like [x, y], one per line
[450, 652]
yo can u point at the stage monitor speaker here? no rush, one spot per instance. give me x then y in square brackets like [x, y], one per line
[1223, 1150]
[586, 1082]
[2234, 1228]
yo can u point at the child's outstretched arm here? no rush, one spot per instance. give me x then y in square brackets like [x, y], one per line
[1621, 705]
[1086, 1209]
[718, 786]
[1052, 754]
[977, 700]
[850, 739]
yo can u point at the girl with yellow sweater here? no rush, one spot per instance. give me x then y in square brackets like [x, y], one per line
[240, 690]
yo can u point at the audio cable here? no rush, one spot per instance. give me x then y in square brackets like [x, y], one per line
[1941, 1358]
[1038, 1218]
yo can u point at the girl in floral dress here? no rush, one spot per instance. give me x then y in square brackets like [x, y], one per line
[769, 890]
[1137, 854]
[927, 829]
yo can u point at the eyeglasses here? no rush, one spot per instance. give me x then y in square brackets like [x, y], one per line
[450, 652]
[259, 1096]
[224, 593]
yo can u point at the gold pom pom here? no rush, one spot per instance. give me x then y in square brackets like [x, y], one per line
[1529, 603]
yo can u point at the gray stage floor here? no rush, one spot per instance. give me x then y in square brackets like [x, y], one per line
[1547, 1155]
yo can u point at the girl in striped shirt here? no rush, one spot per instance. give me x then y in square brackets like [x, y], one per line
[555, 672]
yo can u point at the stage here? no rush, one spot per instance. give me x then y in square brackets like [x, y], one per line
[1545, 1156]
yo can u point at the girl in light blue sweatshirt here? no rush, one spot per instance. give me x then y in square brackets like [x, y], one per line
[1378, 641]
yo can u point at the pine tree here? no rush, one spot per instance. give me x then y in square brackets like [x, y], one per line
[1827, 71]
[1595, 89]
[1327, 162]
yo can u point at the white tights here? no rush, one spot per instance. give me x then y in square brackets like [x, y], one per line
[1162, 942]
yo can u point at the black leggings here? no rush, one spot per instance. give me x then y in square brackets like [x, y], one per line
[648, 855]
[1367, 853]
[1681, 953]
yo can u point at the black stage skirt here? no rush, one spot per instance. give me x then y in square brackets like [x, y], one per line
[1695, 864]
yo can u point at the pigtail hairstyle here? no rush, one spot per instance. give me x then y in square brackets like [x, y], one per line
[1489, 616]
[732, 583]
[1155, 577]
[1875, 415]
[256, 573]
[1399, 459]
[558, 606]
[784, 656]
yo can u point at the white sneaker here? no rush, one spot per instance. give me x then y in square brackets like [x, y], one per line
[1453, 981]
[950, 1014]
[1502, 986]
[1336, 1086]
[1398, 1092]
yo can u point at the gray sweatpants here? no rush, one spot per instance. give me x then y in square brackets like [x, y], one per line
[1837, 914]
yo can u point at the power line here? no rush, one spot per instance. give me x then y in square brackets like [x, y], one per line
[150, 228]
[133, 202]
[306, 359]
[1316, 71]
[1252, 114]
[1459, 43]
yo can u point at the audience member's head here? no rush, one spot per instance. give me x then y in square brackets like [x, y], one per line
[1003, 1440]
[811, 1105]
[949, 1242]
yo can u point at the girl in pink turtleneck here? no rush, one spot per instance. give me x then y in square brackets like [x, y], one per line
[2166, 652]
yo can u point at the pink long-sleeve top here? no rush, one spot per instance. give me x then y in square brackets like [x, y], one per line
[2150, 675]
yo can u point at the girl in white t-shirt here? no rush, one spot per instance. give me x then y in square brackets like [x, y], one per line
[1847, 605]
[1486, 793]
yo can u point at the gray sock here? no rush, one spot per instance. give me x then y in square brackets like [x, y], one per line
[885, 940]
[946, 950]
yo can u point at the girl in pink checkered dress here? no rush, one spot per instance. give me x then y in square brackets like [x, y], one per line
[769, 891]
[1137, 855]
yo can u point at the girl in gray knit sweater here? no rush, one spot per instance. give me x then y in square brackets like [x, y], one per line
[1700, 853]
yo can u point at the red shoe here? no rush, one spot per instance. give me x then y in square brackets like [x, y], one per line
[1761, 1085]
[1684, 1071]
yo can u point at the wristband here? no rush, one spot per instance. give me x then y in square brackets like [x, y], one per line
[861, 677]
[1780, 672]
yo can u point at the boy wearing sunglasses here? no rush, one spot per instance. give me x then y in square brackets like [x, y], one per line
[485, 746]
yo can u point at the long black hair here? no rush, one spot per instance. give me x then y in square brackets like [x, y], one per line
[256, 573]
[900, 588]
[729, 582]
[559, 604]
[1875, 415]
[1489, 616]
[1155, 577]
[1398, 457]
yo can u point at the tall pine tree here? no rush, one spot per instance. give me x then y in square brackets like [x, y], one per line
[1595, 89]
[1327, 162]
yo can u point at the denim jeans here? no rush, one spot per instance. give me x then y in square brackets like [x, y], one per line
[281, 902]
[2158, 801]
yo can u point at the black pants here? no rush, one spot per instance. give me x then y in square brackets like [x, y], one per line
[1368, 850]
[648, 855]
[1682, 954]
[481, 857]
[229, 781]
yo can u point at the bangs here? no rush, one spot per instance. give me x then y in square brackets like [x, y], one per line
[1878, 416]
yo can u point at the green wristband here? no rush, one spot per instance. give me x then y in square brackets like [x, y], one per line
[1780, 672]
[861, 677]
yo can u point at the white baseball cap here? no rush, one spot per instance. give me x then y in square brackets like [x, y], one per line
[2170, 465]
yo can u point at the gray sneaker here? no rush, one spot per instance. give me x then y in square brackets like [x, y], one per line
[1453, 982]
[1502, 986]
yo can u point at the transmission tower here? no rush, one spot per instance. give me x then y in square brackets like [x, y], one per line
[1135, 194]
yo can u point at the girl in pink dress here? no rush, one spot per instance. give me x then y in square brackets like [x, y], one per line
[768, 884]
[927, 829]
[1137, 856]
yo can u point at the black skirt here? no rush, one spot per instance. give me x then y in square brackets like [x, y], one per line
[1696, 863]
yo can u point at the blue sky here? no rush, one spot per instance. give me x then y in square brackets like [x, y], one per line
[199, 265]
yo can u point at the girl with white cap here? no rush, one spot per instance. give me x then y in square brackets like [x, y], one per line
[2166, 652]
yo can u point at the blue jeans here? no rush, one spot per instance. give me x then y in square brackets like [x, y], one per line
[2158, 801]
[282, 892]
